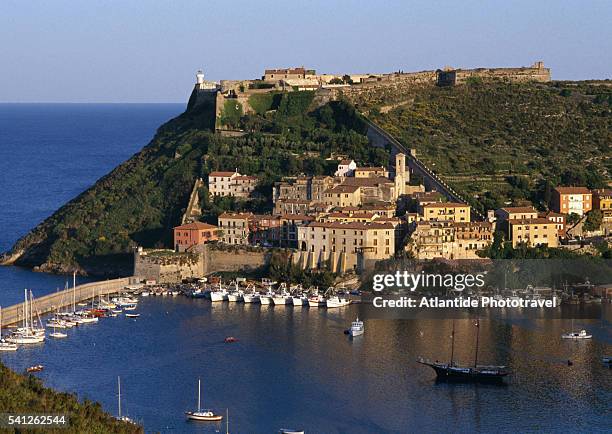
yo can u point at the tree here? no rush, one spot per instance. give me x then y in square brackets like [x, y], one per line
[336, 80]
[593, 220]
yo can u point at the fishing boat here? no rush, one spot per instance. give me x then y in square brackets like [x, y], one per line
[316, 300]
[119, 416]
[337, 301]
[283, 298]
[357, 328]
[476, 373]
[4, 345]
[202, 415]
[220, 295]
[145, 293]
[290, 431]
[236, 295]
[132, 315]
[582, 334]
[300, 300]
[267, 297]
[198, 293]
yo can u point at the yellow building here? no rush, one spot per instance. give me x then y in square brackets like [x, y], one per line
[446, 211]
[343, 195]
[371, 172]
[234, 228]
[602, 200]
[449, 240]
[344, 246]
[533, 232]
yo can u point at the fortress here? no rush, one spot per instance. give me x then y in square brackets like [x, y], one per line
[237, 97]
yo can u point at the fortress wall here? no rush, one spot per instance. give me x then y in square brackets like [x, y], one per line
[168, 268]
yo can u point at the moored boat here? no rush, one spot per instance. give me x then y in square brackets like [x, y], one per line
[4, 345]
[202, 415]
[582, 334]
[337, 301]
[316, 300]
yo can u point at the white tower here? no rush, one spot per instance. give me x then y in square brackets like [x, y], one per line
[200, 77]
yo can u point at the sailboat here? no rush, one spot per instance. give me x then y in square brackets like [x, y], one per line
[5, 346]
[202, 415]
[28, 334]
[477, 373]
[119, 417]
[582, 334]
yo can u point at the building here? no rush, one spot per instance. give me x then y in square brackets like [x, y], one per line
[447, 211]
[289, 224]
[449, 240]
[234, 228]
[572, 200]
[193, 234]
[219, 183]
[536, 72]
[371, 172]
[287, 74]
[602, 200]
[264, 230]
[401, 174]
[423, 198]
[231, 184]
[345, 246]
[374, 189]
[343, 195]
[533, 232]
[346, 168]
[504, 215]
[556, 218]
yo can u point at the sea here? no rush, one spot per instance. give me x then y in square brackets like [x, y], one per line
[292, 367]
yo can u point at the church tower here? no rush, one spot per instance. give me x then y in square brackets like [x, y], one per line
[401, 175]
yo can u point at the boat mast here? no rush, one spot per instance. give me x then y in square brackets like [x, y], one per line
[73, 291]
[0, 323]
[477, 338]
[227, 421]
[199, 392]
[119, 401]
[452, 344]
[25, 310]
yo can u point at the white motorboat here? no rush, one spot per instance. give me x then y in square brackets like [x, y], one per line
[145, 293]
[283, 298]
[202, 415]
[175, 293]
[88, 319]
[4, 345]
[252, 297]
[132, 315]
[357, 328]
[267, 297]
[316, 300]
[58, 335]
[129, 306]
[290, 431]
[582, 334]
[220, 295]
[235, 296]
[300, 300]
[337, 301]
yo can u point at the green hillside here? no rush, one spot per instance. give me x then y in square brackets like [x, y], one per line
[21, 394]
[142, 199]
[498, 141]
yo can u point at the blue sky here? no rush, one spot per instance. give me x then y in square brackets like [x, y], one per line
[148, 51]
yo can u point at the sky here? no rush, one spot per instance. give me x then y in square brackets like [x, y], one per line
[149, 51]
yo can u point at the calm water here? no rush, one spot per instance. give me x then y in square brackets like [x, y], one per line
[293, 367]
[49, 153]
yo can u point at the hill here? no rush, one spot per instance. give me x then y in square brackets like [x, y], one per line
[20, 394]
[497, 141]
[140, 201]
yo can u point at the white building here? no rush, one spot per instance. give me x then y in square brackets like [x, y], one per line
[346, 168]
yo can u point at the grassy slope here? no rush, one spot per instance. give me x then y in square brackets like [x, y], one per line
[23, 394]
[479, 134]
[142, 199]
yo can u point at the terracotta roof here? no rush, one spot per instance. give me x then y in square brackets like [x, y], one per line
[603, 192]
[374, 181]
[371, 169]
[343, 189]
[519, 209]
[297, 217]
[221, 174]
[573, 190]
[346, 162]
[236, 215]
[196, 226]
[446, 205]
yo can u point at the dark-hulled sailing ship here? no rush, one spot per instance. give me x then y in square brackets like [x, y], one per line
[477, 373]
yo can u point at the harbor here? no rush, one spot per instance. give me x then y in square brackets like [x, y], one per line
[176, 340]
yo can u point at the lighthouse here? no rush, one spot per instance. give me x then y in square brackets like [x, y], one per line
[199, 77]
